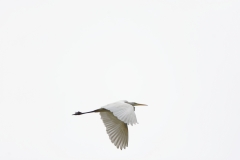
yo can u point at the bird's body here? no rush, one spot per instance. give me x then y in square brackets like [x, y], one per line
[116, 116]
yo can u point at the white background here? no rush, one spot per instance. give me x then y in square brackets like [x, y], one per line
[179, 57]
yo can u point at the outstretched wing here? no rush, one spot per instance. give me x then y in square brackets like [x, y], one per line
[116, 129]
[123, 111]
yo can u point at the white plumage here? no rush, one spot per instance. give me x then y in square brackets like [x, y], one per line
[123, 111]
[116, 116]
[116, 129]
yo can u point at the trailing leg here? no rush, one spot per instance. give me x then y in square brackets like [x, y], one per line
[80, 113]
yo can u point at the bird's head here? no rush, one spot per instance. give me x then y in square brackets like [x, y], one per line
[136, 104]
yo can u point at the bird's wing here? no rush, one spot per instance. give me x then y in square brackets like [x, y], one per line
[123, 111]
[116, 129]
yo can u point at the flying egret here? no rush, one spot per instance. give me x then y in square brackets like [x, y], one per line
[116, 116]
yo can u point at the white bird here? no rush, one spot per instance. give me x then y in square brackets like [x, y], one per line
[116, 116]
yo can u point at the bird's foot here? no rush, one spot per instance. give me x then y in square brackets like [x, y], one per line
[77, 113]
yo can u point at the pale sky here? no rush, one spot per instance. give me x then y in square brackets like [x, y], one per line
[179, 57]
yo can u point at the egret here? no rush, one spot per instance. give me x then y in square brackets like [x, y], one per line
[116, 116]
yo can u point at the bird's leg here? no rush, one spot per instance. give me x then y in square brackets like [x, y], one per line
[80, 113]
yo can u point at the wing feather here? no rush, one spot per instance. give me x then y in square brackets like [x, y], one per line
[123, 111]
[116, 129]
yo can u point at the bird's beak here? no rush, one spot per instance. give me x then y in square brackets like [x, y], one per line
[141, 104]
